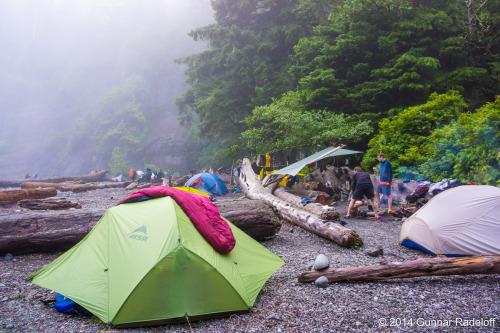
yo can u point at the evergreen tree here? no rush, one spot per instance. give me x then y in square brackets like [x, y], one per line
[245, 66]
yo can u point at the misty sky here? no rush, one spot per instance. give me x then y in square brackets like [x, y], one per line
[59, 57]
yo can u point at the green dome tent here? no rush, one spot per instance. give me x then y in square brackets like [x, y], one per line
[144, 263]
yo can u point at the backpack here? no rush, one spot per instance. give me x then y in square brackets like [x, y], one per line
[419, 192]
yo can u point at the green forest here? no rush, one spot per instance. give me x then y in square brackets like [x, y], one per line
[417, 80]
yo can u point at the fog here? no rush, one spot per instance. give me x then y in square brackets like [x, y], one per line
[64, 62]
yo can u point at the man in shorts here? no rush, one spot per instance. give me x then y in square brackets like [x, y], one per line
[361, 186]
[385, 182]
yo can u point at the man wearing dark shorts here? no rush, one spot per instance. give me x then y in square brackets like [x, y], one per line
[385, 182]
[361, 185]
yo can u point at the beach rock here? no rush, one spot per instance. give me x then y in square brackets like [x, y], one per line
[375, 252]
[321, 282]
[321, 262]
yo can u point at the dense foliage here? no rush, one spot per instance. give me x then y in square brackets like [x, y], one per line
[414, 70]
[441, 139]
[467, 149]
[284, 125]
[402, 137]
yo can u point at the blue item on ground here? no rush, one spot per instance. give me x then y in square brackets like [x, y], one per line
[64, 304]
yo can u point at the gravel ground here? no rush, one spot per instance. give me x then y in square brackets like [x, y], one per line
[441, 304]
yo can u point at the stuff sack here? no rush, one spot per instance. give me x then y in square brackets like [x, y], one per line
[64, 304]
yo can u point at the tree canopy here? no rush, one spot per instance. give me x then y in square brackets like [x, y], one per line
[375, 74]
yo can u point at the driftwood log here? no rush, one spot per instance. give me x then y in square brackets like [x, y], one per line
[8, 197]
[258, 219]
[56, 203]
[92, 177]
[75, 186]
[93, 186]
[253, 189]
[53, 185]
[441, 266]
[52, 231]
[319, 210]
[317, 196]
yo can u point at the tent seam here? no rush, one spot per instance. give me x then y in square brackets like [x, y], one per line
[139, 282]
[222, 275]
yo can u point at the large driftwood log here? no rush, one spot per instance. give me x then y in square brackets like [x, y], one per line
[56, 203]
[441, 266]
[93, 186]
[317, 196]
[53, 185]
[253, 189]
[92, 177]
[258, 219]
[319, 210]
[75, 186]
[52, 231]
[8, 197]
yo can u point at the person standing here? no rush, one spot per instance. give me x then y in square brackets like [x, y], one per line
[361, 185]
[132, 174]
[169, 176]
[385, 182]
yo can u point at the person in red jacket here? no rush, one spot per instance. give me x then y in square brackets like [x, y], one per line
[132, 174]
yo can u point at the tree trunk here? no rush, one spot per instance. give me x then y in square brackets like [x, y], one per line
[442, 266]
[471, 15]
[52, 231]
[253, 189]
[92, 177]
[8, 197]
[49, 203]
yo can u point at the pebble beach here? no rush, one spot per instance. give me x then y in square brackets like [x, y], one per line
[469, 303]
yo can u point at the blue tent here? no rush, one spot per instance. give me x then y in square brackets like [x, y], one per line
[208, 183]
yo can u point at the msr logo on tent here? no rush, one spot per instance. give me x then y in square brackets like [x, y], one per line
[139, 234]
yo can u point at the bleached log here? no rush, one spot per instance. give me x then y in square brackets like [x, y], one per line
[55, 203]
[253, 189]
[320, 210]
[8, 197]
[52, 231]
[442, 266]
[92, 177]
[75, 186]
[93, 186]
[317, 196]
[53, 185]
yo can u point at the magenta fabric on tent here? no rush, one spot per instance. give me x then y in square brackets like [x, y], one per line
[202, 212]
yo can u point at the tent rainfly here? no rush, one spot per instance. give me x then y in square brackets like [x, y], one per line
[144, 263]
[295, 168]
[460, 221]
